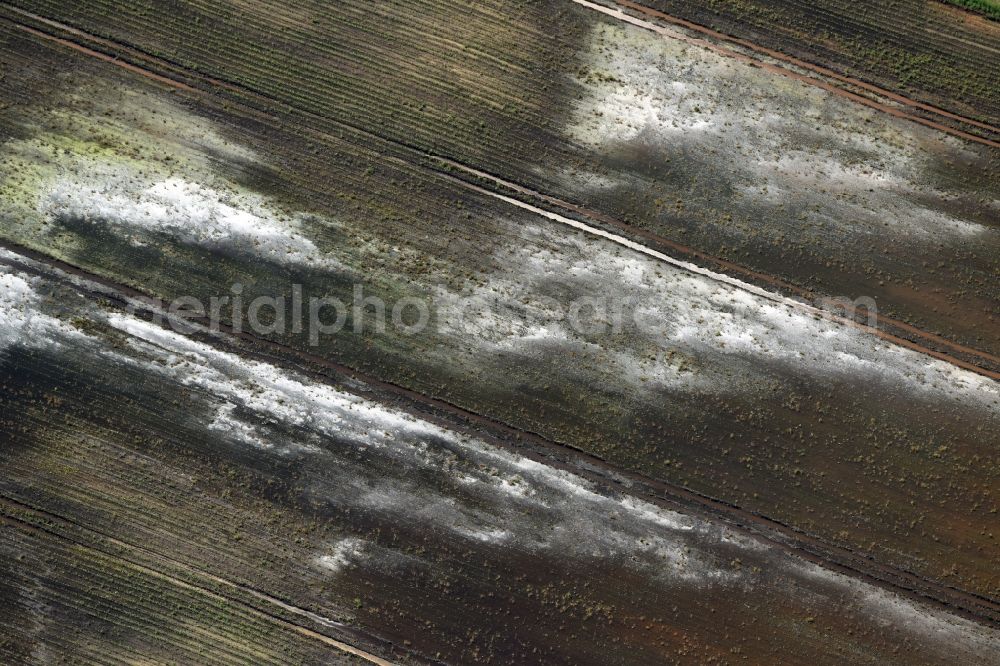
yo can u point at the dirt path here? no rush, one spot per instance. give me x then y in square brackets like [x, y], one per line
[106, 58]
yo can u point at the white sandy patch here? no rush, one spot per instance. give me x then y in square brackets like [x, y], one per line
[147, 169]
[195, 214]
[865, 178]
[269, 391]
[17, 299]
[679, 328]
[343, 554]
[572, 516]
[626, 114]
[224, 422]
[22, 321]
[492, 536]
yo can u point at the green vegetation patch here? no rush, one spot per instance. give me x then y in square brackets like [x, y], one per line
[989, 8]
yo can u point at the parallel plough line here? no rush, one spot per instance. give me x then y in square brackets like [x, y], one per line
[268, 599]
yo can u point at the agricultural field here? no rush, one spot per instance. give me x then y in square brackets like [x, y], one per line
[567, 114]
[187, 500]
[699, 360]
